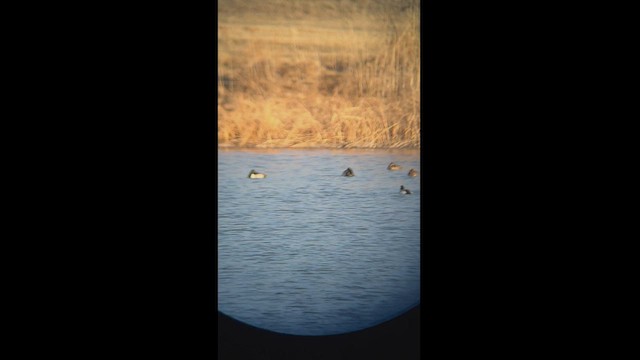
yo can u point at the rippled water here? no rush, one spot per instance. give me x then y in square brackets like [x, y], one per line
[307, 251]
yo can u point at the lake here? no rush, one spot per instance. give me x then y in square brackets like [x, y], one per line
[307, 251]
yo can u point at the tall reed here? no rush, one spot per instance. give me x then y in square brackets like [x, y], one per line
[326, 73]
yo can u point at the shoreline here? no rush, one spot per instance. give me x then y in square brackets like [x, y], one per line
[303, 146]
[319, 147]
[406, 150]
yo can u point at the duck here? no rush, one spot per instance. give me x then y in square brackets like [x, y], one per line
[404, 191]
[255, 175]
[393, 166]
[412, 172]
[348, 172]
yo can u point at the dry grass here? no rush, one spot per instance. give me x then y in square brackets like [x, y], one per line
[325, 73]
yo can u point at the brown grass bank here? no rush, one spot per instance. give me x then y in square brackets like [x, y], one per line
[325, 73]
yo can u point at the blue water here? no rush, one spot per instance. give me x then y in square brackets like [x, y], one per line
[307, 251]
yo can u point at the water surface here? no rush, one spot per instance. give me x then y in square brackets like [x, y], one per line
[307, 251]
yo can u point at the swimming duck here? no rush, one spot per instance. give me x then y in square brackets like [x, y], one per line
[412, 172]
[393, 166]
[404, 191]
[348, 172]
[254, 175]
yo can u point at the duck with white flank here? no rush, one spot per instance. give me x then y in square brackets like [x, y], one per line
[404, 191]
[255, 175]
[348, 172]
[393, 166]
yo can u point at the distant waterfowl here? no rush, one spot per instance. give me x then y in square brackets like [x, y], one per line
[404, 191]
[413, 172]
[255, 175]
[393, 166]
[348, 172]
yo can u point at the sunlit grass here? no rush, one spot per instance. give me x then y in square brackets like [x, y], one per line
[326, 73]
